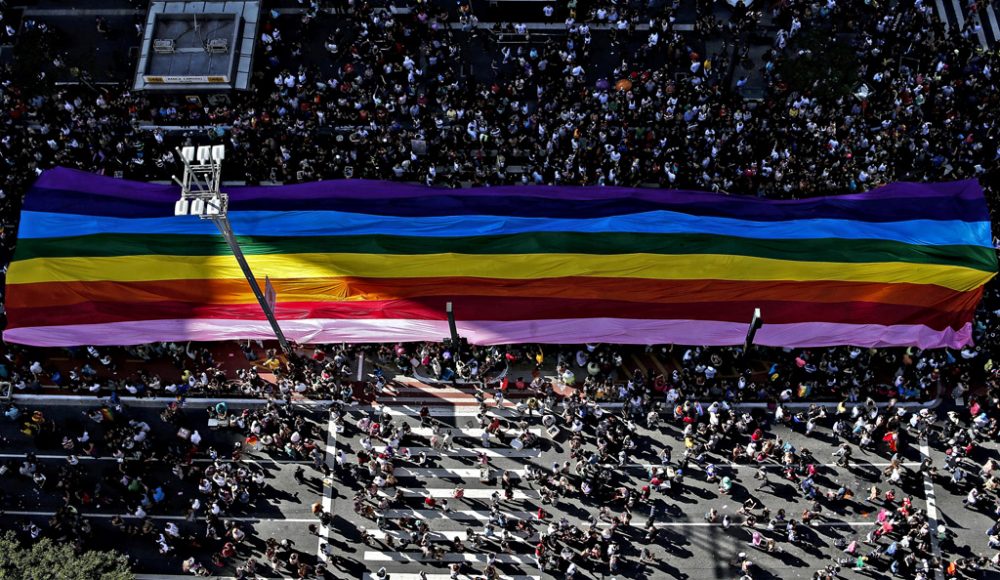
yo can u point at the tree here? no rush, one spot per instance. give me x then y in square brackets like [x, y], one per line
[47, 560]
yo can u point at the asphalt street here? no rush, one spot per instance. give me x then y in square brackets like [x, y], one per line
[689, 547]
[282, 511]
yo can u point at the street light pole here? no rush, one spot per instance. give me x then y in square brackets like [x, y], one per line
[755, 323]
[200, 196]
[456, 341]
[451, 322]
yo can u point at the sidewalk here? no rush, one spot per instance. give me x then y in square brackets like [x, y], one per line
[229, 357]
[525, 370]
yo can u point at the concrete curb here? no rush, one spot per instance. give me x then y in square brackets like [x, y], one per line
[42, 399]
[34, 398]
[934, 403]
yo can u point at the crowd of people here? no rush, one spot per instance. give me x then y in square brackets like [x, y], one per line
[713, 438]
[662, 111]
[601, 372]
[164, 469]
[553, 110]
[618, 533]
[620, 95]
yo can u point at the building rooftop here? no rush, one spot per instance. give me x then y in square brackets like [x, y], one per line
[196, 46]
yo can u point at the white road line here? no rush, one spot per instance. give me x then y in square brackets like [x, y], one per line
[459, 515]
[41, 399]
[458, 411]
[459, 432]
[768, 466]
[435, 410]
[435, 392]
[408, 411]
[959, 16]
[247, 457]
[178, 518]
[640, 523]
[434, 536]
[932, 514]
[449, 492]
[469, 473]
[400, 408]
[331, 452]
[992, 18]
[417, 557]
[425, 380]
[465, 391]
[433, 472]
[854, 463]
[637, 523]
[978, 19]
[943, 14]
[431, 400]
[475, 451]
[411, 409]
[399, 576]
[361, 365]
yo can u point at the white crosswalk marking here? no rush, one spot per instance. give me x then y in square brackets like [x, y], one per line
[415, 557]
[955, 15]
[454, 411]
[417, 388]
[475, 451]
[401, 408]
[458, 472]
[441, 536]
[455, 433]
[399, 576]
[942, 13]
[397, 519]
[398, 409]
[977, 22]
[991, 23]
[429, 472]
[408, 390]
[459, 515]
[458, 400]
[449, 492]
[959, 16]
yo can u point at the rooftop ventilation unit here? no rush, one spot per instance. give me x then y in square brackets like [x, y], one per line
[163, 46]
[217, 46]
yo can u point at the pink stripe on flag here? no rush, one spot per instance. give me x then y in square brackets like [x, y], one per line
[566, 331]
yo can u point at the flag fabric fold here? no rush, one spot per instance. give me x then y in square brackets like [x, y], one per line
[104, 261]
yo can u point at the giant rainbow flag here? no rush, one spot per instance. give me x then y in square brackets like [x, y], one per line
[104, 261]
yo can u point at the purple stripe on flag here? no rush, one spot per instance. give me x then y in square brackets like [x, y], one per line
[63, 190]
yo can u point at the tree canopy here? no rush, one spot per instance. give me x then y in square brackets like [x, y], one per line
[47, 560]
